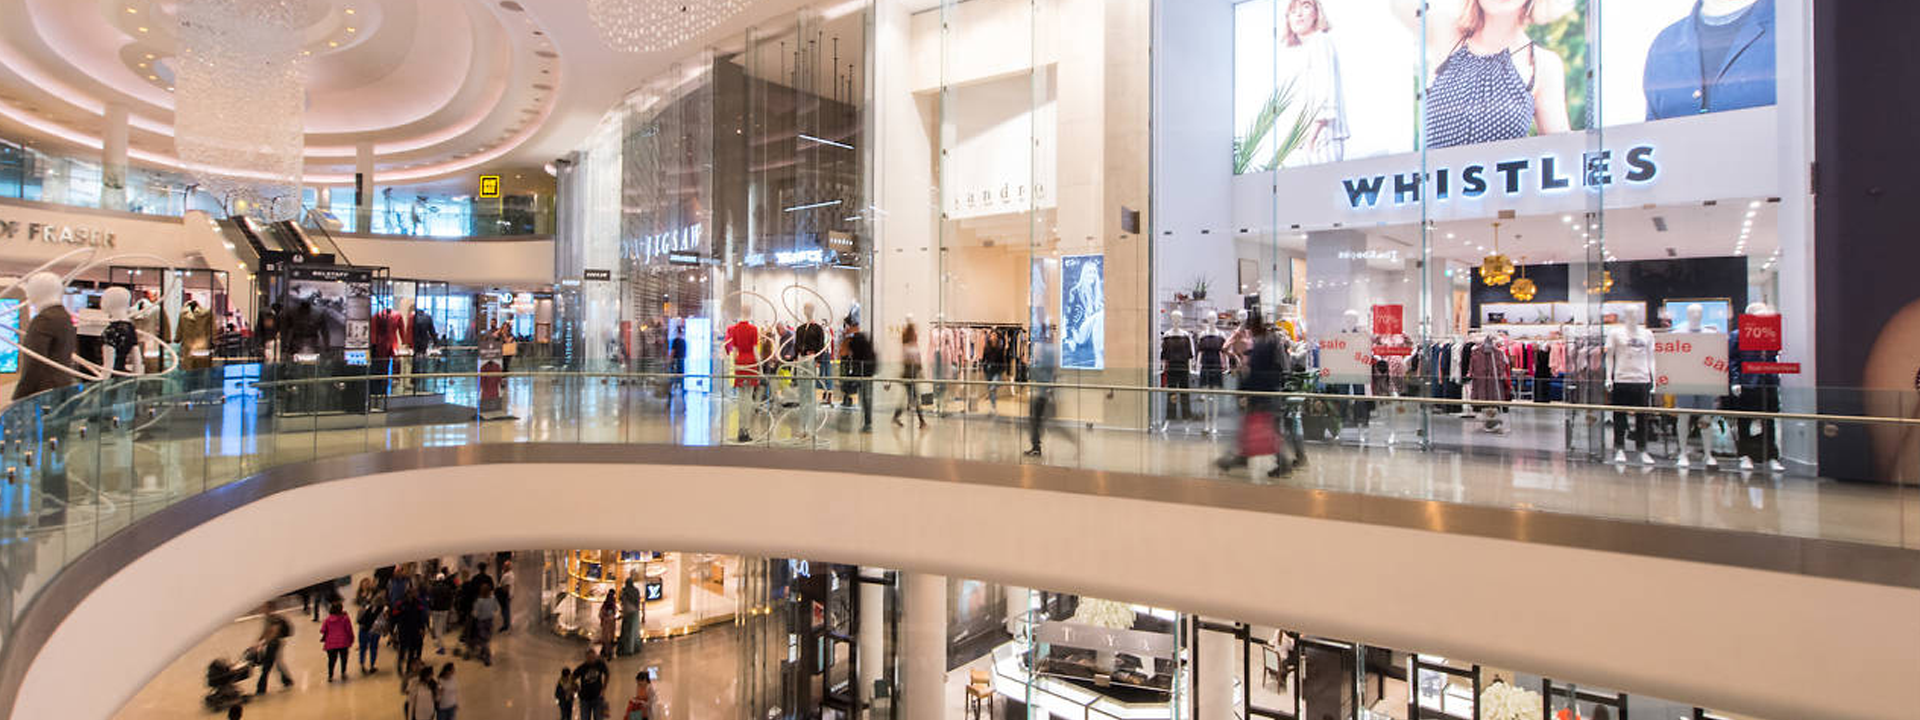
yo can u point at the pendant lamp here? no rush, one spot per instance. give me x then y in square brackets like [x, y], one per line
[1496, 269]
[1523, 289]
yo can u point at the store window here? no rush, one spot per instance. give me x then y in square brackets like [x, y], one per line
[1474, 200]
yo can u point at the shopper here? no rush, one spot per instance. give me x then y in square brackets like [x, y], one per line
[1046, 357]
[439, 606]
[909, 372]
[504, 594]
[1263, 372]
[592, 676]
[336, 636]
[630, 600]
[447, 697]
[421, 703]
[486, 616]
[373, 624]
[274, 631]
[564, 693]
[641, 706]
[859, 360]
[409, 622]
[609, 615]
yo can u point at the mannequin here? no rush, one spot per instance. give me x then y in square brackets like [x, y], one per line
[1241, 341]
[119, 339]
[743, 343]
[196, 335]
[1359, 412]
[1211, 347]
[1177, 350]
[1756, 393]
[810, 340]
[89, 324]
[50, 334]
[1691, 426]
[1630, 383]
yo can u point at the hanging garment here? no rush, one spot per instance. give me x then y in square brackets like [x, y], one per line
[196, 338]
[121, 337]
[50, 334]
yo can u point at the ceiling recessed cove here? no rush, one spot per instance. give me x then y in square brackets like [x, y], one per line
[511, 5]
[546, 54]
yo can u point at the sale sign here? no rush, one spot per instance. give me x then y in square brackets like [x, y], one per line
[1690, 363]
[1346, 358]
[1389, 319]
[1770, 368]
[1760, 333]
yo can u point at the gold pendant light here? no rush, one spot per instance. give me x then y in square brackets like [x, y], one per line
[1496, 269]
[1606, 283]
[1523, 289]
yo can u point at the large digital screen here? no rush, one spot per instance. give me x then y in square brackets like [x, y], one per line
[1083, 312]
[1320, 81]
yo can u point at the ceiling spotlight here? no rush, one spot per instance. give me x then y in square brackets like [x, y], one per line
[149, 56]
[353, 30]
[349, 11]
[333, 44]
[131, 11]
[152, 77]
[1754, 204]
[143, 29]
[143, 66]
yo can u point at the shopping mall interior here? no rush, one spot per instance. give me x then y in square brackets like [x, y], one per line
[943, 359]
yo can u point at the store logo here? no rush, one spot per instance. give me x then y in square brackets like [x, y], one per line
[57, 234]
[647, 247]
[1388, 255]
[1510, 178]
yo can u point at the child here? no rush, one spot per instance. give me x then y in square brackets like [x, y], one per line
[564, 691]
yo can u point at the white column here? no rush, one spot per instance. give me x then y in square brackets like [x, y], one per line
[1219, 664]
[682, 583]
[363, 199]
[871, 635]
[113, 159]
[923, 677]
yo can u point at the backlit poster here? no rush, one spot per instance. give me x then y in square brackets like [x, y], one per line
[1321, 82]
[9, 337]
[1083, 312]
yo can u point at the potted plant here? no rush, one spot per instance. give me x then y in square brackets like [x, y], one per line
[1200, 286]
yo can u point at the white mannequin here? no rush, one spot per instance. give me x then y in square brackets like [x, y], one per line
[1353, 321]
[43, 290]
[1175, 335]
[117, 302]
[1694, 322]
[1630, 362]
[1746, 463]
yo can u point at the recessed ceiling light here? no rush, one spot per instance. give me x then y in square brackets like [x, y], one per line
[349, 11]
[333, 43]
[131, 11]
[143, 29]
[152, 77]
[353, 30]
[143, 66]
[306, 52]
[149, 56]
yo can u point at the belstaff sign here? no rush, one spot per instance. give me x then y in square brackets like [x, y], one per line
[56, 234]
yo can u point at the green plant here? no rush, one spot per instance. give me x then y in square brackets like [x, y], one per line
[1200, 286]
[1567, 37]
[1278, 105]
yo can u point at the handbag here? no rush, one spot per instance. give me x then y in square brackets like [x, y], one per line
[510, 349]
[1258, 436]
[1720, 440]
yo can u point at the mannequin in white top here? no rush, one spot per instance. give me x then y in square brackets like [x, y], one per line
[1630, 383]
[1177, 351]
[1691, 425]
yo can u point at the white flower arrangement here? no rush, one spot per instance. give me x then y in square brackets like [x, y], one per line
[1103, 613]
[1504, 701]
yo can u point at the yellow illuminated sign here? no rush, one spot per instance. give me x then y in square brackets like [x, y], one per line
[489, 186]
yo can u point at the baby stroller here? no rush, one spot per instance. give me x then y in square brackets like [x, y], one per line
[224, 680]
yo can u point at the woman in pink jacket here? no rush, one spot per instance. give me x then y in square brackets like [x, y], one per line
[336, 635]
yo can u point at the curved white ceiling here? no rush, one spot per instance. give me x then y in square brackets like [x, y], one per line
[437, 87]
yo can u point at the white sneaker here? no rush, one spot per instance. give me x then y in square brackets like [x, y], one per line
[1683, 463]
[1746, 464]
[1646, 458]
[1776, 467]
[1619, 457]
[1711, 463]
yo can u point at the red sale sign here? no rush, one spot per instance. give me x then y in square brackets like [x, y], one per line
[1760, 333]
[1389, 319]
[1770, 368]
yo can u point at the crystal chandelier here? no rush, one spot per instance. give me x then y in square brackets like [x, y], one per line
[638, 26]
[240, 100]
[1496, 269]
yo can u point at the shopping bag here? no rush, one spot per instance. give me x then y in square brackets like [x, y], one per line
[1258, 436]
[1720, 440]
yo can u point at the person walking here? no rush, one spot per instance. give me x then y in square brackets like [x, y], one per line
[439, 606]
[421, 703]
[486, 616]
[909, 372]
[409, 621]
[274, 631]
[564, 692]
[641, 706]
[630, 617]
[860, 360]
[1046, 358]
[592, 676]
[336, 636]
[373, 624]
[504, 594]
[447, 698]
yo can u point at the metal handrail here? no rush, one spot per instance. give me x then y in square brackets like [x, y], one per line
[1112, 388]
